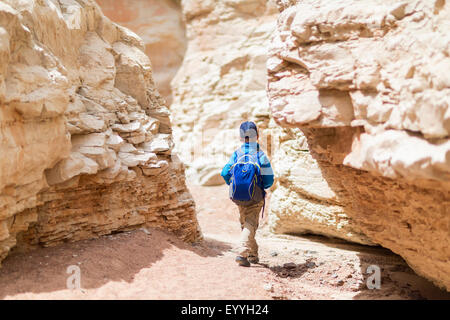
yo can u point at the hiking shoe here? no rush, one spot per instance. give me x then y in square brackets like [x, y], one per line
[253, 259]
[243, 262]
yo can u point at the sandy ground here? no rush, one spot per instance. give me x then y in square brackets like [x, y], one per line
[154, 264]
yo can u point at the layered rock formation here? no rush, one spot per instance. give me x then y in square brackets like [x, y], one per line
[368, 84]
[221, 83]
[159, 24]
[302, 202]
[85, 138]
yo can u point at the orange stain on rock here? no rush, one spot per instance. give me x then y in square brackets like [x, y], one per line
[119, 11]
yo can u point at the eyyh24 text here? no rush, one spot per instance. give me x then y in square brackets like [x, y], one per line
[229, 309]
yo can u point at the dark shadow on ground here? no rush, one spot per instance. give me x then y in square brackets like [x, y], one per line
[211, 247]
[117, 257]
[343, 244]
[291, 270]
[397, 279]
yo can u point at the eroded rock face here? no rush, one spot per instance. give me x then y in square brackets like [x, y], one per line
[85, 138]
[302, 202]
[221, 83]
[159, 24]
[366, 83]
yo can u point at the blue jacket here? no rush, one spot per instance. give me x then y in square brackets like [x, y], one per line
[266, 168]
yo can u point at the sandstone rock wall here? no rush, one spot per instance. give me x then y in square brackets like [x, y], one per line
[159, 24]
[85, 138]
[302, 202]
[368, 84]
[221, 83]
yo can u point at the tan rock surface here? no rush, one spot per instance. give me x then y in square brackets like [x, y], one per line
[78, 109]
[302, 202]
[365, 82]
[378, 67]
[159, 24]
[221, 83]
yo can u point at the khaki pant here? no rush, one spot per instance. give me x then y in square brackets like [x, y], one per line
[249, 218]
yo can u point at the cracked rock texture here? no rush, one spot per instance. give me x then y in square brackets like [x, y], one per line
[368, 84]
[159, 24]
[85, 138]
[221, 83]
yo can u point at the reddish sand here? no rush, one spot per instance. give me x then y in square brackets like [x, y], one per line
[137, 265]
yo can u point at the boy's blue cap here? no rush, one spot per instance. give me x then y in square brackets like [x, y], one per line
[248, 129]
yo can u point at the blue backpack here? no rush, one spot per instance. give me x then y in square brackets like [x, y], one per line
[246, 187]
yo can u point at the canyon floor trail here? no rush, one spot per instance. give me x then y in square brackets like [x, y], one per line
[138, 265]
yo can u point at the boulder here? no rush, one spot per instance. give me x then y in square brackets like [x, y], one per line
[365, 82]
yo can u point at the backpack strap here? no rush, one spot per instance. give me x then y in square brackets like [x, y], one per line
[241, 154]
[264, 204]
[259, 153]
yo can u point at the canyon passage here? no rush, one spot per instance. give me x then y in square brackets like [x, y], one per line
[116, 118]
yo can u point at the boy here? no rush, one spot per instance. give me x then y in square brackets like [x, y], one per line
[249, 214]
